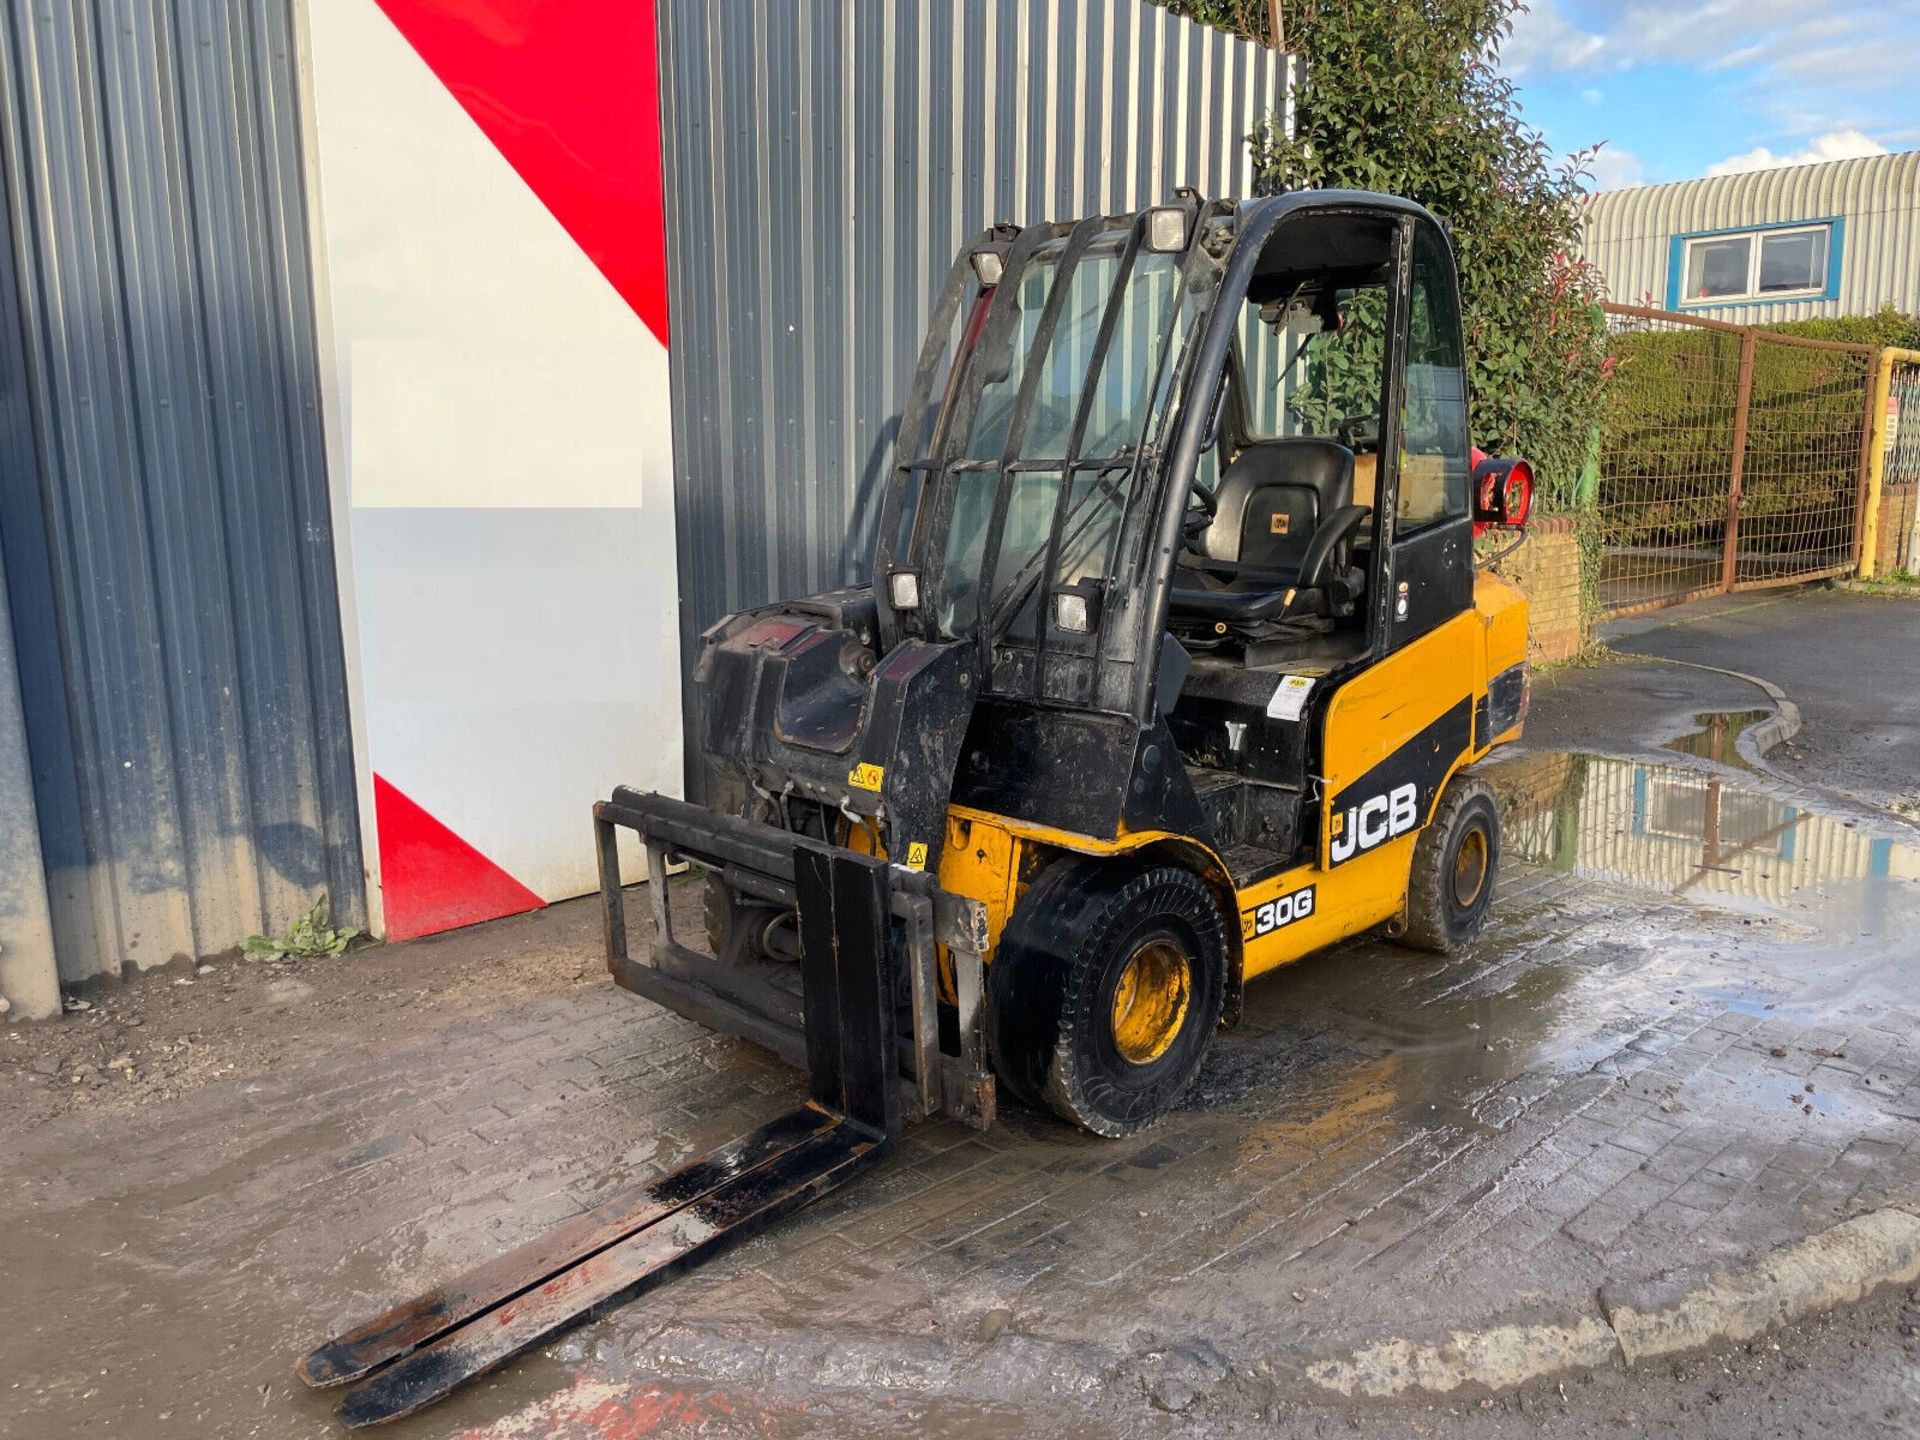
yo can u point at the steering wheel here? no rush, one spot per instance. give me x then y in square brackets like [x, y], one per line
[1206, 506]
[1360, 432]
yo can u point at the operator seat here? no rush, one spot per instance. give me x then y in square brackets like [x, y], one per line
[1271, 499]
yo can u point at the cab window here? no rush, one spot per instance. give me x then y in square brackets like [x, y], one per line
[1435, 465]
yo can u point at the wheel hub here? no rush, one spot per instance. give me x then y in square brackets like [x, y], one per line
[1150, 1002]
[1470, 868]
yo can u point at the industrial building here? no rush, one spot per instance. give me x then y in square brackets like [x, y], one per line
[390, 392]
[1796, 243]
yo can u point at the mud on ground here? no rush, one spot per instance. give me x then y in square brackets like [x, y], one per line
[165, 1033]
[1691, 1031]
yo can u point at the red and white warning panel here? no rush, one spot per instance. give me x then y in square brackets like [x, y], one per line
[487, 211]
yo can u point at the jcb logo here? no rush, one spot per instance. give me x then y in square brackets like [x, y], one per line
[1265, 919]
[1374, 822]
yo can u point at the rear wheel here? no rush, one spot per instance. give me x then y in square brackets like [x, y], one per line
[1105, 991]
[1455, 863]
[717, 909]
[737, 929]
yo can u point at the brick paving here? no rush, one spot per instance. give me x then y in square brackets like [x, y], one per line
[1601, 1090]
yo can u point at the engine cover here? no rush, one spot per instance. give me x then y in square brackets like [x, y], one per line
[794, 700]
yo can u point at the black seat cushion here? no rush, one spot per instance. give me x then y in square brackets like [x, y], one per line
[1272, 497]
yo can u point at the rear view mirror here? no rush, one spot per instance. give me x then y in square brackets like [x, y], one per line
[1502, 492]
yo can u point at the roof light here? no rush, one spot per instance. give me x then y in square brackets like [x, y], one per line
[1167, 229]
[987, 267]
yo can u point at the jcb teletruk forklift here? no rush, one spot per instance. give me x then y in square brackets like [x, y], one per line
[1171, 671]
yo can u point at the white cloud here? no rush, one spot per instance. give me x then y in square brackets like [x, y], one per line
[1837, 69]
[1544, 39]
[1835, 145]
[1831, 40]
[1839, 47]
[1617, 169]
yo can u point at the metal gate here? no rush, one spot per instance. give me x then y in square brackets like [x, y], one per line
[167, 541]
[1733, 459]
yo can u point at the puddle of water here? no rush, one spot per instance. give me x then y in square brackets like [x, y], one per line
[1699, 893]
[1691, 834]
[1817, 911]
[1718, 731]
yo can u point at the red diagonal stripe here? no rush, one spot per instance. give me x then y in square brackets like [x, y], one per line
[568, 91]
[431, 879]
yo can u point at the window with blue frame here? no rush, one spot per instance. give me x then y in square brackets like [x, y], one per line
[1758, 265]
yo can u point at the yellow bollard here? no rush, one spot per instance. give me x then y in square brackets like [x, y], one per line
[1877, 455]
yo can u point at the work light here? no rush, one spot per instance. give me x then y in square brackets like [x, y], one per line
[1076, 608]
[1502, 492]
[903, 587]
[1167, 229]
[987, 267]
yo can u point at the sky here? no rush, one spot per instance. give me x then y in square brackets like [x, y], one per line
[1687, 88]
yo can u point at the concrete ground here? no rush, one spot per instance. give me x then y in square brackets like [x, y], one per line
[1850, 660]
[1690, 1036]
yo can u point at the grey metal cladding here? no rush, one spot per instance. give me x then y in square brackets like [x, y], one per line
[1629, 233]
[824, 160]
[170, 557]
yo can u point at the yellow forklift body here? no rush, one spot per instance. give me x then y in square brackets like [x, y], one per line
[1388, 708]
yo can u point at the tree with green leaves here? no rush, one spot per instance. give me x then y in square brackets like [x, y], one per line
[1246, 18]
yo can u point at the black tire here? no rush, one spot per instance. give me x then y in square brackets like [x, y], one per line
[733, 925]
[717, 909]
[1057, 1017]
[1455, 863]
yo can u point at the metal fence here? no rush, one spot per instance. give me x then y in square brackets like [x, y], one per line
[1733, 459]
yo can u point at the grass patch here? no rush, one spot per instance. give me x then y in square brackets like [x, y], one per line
[1898, 584]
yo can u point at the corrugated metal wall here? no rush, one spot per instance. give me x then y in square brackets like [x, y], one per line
[169, 554]
[1628, 233]
[824, 162]
[29, 977]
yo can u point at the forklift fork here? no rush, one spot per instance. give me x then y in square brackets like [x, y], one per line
[759, 862]
[419, 1352]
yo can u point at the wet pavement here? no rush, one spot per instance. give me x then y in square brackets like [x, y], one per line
[1690, 1033]
[1844, 657]
[1718, 737]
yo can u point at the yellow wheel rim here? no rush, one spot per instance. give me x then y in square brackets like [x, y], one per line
[1470, 868]
[1150, 1002]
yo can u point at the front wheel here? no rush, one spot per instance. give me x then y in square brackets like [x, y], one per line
[1105, 991]
[1455, 862]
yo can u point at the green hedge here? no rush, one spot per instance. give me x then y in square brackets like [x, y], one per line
[1246, 18]
[1666, 457]
[1887, 327]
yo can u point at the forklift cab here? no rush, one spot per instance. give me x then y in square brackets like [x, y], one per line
[1285, 541]
[1153, 464]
